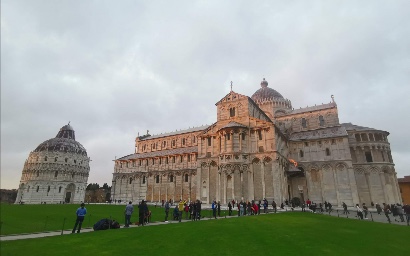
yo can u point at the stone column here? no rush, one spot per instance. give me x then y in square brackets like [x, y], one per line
[251, 188]
[263, 179]
[276, 182]
[353, 185]
[336, 187]
[383, 181]
[199, 182]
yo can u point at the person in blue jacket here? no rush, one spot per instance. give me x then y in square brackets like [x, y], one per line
[81, 212]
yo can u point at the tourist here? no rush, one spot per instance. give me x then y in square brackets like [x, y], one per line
[241, 208]
[265, 205]
[303, 207]
[365, 211]
[213, 209]
[186, 210]
[406, 209]
[259, 207]
[142, 212]
[308, 203]
[229, 209]
[274, 206]
[386, 209]
[219, 208]
[175, 214]
[198, 209]
[180, 209]
[329, 206]
[129, 209]
[345, 211]
[400, 212]
[359, 212]
[81, 212]
[166, 211]
[378, 209]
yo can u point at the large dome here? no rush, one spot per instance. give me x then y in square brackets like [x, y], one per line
[63, 142]
[265, 92]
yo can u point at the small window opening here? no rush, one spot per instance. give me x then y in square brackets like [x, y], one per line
[301, 154]
[304, 123]
[369, 157]
[209, 141]
[59, 189]
[143, 179]
[157, 179]
[171, 178]
[186, 177]
[232, 112]
[321, 121]
[37, 188]
[55, 174]
[260, 134]
[130, 180]
[327, 152]
[243, 136]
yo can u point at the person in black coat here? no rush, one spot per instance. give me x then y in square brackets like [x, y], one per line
[229, 209]
[142, 212]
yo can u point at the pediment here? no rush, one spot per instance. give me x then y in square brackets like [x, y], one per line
[231, 96]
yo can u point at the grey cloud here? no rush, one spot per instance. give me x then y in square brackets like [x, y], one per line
[115, 69]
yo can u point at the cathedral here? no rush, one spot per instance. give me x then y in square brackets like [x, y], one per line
[56, 171]
[260, 147]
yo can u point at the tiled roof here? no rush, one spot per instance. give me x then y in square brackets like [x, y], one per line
[233, 124]
[312, 108]
[352, 127]
[193, 129]
[330, 132]
[176, 151]
[406, 179]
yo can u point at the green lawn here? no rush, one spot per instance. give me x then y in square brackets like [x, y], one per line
[291, 233]
[18, 219]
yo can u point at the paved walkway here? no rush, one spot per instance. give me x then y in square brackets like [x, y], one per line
[337, 212]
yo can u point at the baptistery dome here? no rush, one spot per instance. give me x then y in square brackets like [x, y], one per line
[265, 92]
[63, 142]
[56, 171]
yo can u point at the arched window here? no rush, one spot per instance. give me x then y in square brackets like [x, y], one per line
[321, 121]
[232, 112]
[48, 189]
[243, 136]
[260, 134]
[59, 189]
[183, 141]
[189, 158]
[130, 180]
[66, 159]
[193, 139]
[157, 179]
[171, 178]
[186, 177]
[143, 179]
[45, 158]
[327, 151]
[301, 153]
[38, 188]
[209, 141]
[55, 174]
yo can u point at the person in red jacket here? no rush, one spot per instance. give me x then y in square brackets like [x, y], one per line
[308, 203]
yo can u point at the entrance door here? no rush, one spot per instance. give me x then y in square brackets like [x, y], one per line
[68, 197]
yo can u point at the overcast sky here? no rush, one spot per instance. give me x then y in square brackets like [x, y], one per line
[116, 68]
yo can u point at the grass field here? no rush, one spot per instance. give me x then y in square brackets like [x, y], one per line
[18, 219]
[291, 233]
